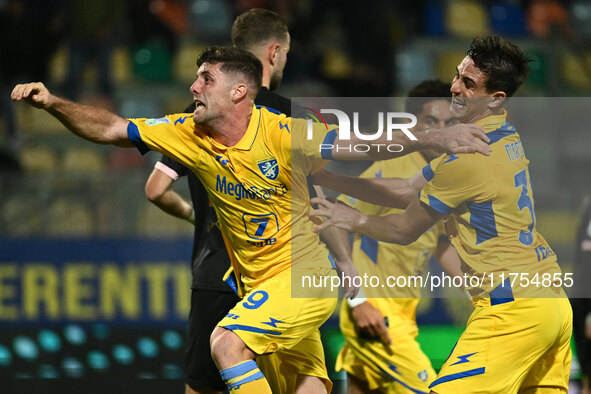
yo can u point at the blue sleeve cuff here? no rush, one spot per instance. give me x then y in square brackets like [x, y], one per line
[428, 172]
[133, 134]
[328, 140]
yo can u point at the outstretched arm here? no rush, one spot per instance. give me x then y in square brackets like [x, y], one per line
[403, 228]
[91, 123]
[386, 192]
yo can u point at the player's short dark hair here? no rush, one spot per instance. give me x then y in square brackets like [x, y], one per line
[503, 63]
[234, 61]
[425, 92]
[256, 26]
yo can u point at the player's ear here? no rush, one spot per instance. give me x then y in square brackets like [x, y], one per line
[273, 52]
[239, 91]
[497, 99]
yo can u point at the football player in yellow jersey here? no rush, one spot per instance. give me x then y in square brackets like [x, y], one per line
[517, 339]
[388, 359]
[243, 156]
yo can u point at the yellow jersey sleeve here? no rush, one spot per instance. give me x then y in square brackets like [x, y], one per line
[173, 135]
[455, 179]
[308, 145]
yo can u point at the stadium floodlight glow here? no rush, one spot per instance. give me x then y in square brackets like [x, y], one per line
[75, 334]
[49, 341]
[25, 347]
[123, 354]
[97, 360]
[5, 356]
[147, 347]
[72, 367]
[172, 339]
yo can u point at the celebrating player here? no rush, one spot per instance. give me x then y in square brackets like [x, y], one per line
[263, 33]
[518, 337]
[227, 143]
[381, 353]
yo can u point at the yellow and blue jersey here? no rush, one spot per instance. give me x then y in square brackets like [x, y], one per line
[490, 202]
[251, 185]
[401, 367]
[383, 259]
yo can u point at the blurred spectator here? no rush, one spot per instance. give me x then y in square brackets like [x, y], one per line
[581, 303]
[150, 22]
[91, 27]
[30, 31]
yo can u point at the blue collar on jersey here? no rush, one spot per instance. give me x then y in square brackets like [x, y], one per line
[503, 131]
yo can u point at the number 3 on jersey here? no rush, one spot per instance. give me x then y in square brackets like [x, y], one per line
[260, 227]
[524, 201]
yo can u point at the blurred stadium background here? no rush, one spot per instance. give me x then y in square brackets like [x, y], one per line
[94, 280]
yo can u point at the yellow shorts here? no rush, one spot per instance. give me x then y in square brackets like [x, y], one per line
[518, 346]
[269, 320]
[281, 369]
[399, 368]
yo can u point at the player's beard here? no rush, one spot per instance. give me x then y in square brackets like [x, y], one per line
[275, 80]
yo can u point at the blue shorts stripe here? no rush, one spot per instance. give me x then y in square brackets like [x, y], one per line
[238, 370]
[133, 133]
[256, 376]
[236, 327]
[459, 375]
[402, 383]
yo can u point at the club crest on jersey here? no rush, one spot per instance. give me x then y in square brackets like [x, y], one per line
[269, 168]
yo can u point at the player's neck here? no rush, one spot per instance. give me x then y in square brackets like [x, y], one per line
[485, 114]
[230, 129]
[266, 81]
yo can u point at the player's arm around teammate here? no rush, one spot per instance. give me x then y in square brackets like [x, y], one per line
[402, 228]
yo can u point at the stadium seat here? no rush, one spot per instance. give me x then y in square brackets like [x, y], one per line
[447, 63]
[140, 105]
[412, 67]
[21, 214]
[507, 19]
[336, 64]
[154, 222]
[576, 70]
[465, 18]
[84, 160]
[210, 21]
[184, 61]
[121, 65]
[58, 65]
[545, 17]
[433, 19]
[69, 217]
[32, 121]
[538, 76]
[152, 62]
[38, 159]
[580, 18]
[125, 159]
